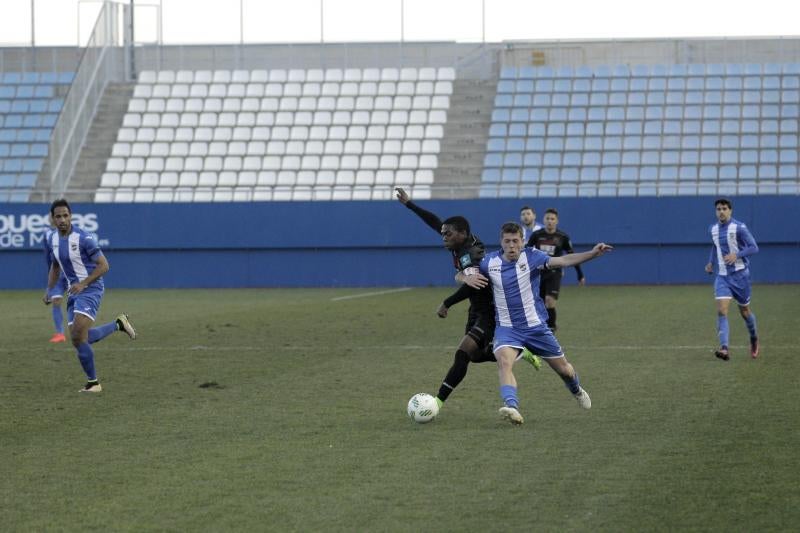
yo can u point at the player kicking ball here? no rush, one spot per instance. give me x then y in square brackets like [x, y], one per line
[514, 274]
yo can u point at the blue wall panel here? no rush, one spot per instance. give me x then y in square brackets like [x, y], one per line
[317, 244]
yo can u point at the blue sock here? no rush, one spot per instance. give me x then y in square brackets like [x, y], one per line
[101, 332]
[722, 330]
[751, 325]
[573, 384]
[508, 393]
[86, 357]
[58, 318]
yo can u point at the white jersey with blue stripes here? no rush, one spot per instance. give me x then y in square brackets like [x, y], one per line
[515, 286]
[76, 254]
[731, 237]
[528, 232]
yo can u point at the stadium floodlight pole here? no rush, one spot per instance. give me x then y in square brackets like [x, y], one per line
[131, 43]
[321, 21]
[402, 21]
[33, 23]
[241, 22]
[483, 21]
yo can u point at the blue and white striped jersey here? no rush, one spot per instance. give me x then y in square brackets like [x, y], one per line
[515, 286]
[731, 237]
[528, 232]
[47, 256]
[77, 255]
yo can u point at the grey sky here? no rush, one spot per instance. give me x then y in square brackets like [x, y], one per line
[59, 22]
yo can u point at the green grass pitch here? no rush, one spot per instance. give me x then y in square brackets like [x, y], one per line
[284, 410]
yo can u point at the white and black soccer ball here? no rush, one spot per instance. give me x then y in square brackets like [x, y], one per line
[422, 408]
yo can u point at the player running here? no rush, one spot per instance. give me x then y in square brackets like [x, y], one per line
[76, 253]
[467, 252]
[732, 245]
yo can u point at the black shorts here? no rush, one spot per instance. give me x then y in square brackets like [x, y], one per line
[480, 326]
[550, 284]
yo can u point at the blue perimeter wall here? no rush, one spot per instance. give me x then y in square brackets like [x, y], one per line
[382, 244]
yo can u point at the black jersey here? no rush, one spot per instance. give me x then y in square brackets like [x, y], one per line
[469, 255]
[553, 244]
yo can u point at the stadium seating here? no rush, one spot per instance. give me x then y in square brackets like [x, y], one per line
[336, 134]
[682, 129]
[29, 107]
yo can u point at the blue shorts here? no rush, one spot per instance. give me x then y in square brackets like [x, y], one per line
[86, 302]
[736, 286]
[59, 289]
[539, 340]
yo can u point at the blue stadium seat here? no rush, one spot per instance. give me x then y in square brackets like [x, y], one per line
[531, 175]
[508, 73]
[526, 73]
[708, 173]
[787, 172]
[509, 175]
[490, 175]
[26, 180]
[515, 144]
[503, 100]
[589, 174]
[493, 160]
[488, 191]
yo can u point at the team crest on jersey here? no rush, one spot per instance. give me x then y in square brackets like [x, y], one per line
[465, 260]
[522, 267]
[73, 247]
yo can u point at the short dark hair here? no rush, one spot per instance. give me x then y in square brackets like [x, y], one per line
[527, 207]
[551, 210]
[459, 223]
[511, 227]
[61, 202]
[723, 201]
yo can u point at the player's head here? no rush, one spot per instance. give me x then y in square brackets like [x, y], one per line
[61, 215]
[511, 240]
[455, 231]
[724, 209]
[551, 219]
[527, 215]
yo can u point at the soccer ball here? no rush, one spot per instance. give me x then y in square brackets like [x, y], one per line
[422, 408]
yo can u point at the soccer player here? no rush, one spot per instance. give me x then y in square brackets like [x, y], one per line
[514, 275]
[76, 253]
[55, 295]
[467, 251]
[554, 243]
[731, 245]
[527, 216]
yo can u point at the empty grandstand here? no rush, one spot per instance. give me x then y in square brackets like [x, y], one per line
[153, 123]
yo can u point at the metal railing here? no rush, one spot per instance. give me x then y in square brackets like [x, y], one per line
[102, 61]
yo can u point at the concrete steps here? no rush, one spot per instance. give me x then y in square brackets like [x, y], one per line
[99, 142]
[464, 142]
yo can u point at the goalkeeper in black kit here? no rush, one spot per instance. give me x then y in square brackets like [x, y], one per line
[467, 252]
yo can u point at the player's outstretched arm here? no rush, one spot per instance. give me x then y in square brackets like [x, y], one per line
[578, 258]
[433, 221]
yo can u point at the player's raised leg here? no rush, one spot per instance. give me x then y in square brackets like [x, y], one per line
[568, 374]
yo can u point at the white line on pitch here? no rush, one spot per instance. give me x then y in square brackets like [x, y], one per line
[364, 295]
[432, 347]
